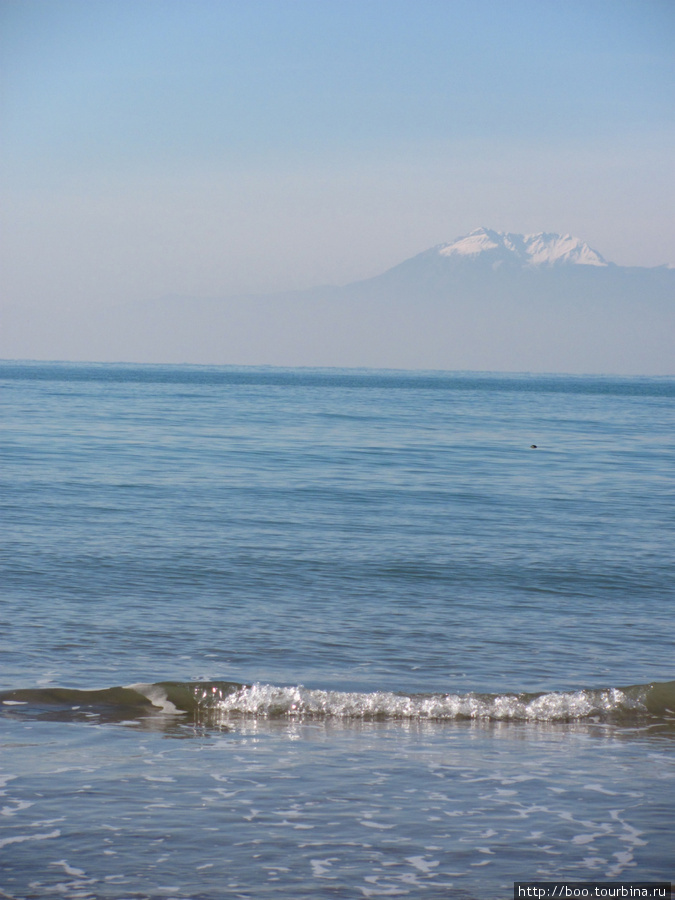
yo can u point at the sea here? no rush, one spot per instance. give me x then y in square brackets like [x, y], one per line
[272, 634]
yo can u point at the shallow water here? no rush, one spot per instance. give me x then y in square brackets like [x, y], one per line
[349, 634]
[301, 809]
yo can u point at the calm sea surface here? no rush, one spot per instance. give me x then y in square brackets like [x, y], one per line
[297, 633]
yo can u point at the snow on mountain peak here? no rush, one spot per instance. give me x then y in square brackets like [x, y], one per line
[543, 249]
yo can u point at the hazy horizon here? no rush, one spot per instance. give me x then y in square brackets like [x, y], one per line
[218, 149]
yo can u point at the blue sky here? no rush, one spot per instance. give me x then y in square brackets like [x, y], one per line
[201, 147]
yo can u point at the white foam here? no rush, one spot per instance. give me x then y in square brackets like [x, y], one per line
[420, 863]
[18, 806]
[270, 701]
[20, 838]
[158, 697]
[68, 869]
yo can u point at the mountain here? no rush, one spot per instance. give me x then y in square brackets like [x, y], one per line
[485, 301]
[497, 249]
[503, 267]
[490, 259]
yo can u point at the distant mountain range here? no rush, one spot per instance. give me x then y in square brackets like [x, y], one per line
[484, 252]
[485, 301]
[497, 249]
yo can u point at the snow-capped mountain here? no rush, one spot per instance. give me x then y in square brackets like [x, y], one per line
[543, 249]
[488, 263]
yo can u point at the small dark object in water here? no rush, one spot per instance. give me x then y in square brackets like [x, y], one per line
[533, 446]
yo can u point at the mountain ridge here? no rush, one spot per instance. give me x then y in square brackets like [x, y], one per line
[537, 249]
[491, 262]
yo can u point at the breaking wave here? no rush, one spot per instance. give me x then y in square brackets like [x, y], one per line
[217, 702]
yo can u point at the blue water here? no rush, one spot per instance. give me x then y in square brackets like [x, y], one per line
[389, 623]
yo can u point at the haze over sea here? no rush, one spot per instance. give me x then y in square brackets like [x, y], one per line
[283, 633]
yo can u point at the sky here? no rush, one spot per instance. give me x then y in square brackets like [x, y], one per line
[203, 148]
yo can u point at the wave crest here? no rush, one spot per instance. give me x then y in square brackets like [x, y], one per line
[270, 701]
[217, 702]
